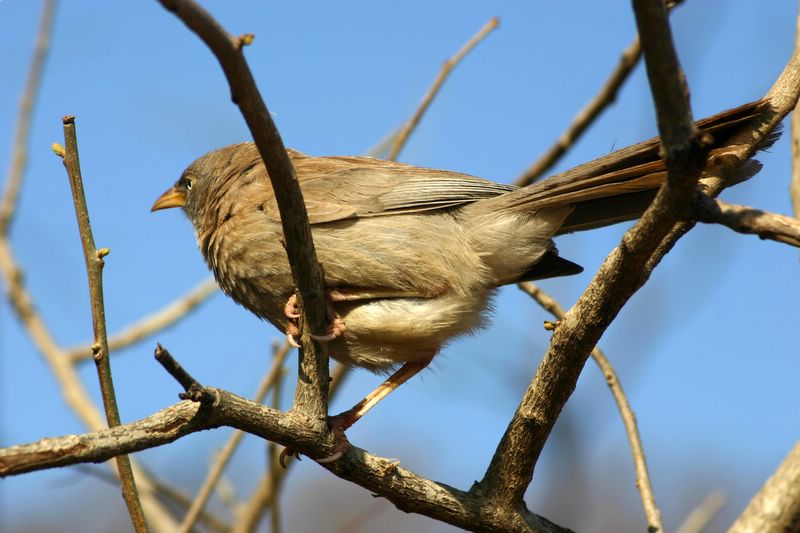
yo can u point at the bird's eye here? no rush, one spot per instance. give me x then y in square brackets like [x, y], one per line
[185, 183]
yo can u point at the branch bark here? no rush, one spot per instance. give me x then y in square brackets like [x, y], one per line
[94, 270]
[407, 490]
[747, 220]
[511, 468]
[311, 394]
[651, 511]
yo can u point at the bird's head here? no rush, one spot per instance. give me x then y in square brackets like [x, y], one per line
[202, 189]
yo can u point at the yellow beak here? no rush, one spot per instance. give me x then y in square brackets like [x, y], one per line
[173, 197]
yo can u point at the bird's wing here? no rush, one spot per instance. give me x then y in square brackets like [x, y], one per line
[339, 188]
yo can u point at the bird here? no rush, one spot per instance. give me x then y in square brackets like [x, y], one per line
[412, 256]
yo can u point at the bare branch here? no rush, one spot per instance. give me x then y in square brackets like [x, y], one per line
[94, 269]
[72, 389]
[19, 151]
[408, 491]
[447, 68]
[625, 270]
[679, 140]
[274, 460]
[643, 485]
[311, 395]
[748, 220]
[794, 186]
[158, 321]
[776, 507]
[221, 461]
[511, 469]
[264, 496]
[586, 116]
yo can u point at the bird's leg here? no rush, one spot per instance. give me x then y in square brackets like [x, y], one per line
[341, 422]
[344, 420]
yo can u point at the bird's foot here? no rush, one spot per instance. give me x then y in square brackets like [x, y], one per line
[338, 425]
[336, 326]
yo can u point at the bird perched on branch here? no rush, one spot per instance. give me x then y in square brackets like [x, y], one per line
[412, 256]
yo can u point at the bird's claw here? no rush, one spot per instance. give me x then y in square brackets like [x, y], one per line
[287, 452]
[292, 341]
[335, 329]
[291, 309]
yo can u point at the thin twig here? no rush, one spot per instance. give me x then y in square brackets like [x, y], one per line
[586, 116]
[72, 389]
[19, 150]
[192, 388]
[643, 485]
[704, 513]
[93, 258]
[223, 457]
[447, 68]
[748, 220]
[147, 326]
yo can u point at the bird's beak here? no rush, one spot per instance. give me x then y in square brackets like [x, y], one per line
[173, 197]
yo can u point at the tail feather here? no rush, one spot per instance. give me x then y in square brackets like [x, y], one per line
[620, 185]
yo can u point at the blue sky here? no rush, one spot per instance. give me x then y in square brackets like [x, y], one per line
[706, 351]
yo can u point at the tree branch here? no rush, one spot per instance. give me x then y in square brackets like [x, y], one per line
[511, 468]
[94, 270]
[651, 511]
[744, 219]
[311, 395]
[591, 111]
[215, 471]
[407, 490]
[704, 513]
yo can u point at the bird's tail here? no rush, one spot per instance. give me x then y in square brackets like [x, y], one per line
[619, 186]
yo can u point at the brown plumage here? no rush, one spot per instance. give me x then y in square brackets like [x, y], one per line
[414, 254]
[418, 252]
